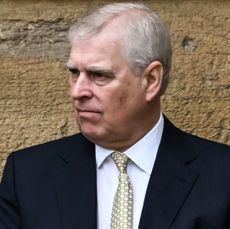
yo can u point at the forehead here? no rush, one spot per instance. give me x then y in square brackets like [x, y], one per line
[105, 48]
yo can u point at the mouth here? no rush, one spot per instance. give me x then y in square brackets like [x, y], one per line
[87, 111]
[88, 114]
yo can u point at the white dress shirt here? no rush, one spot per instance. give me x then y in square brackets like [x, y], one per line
[142, 157]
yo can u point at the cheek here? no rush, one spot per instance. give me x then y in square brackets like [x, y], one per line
[121, 100]
[114, 106]
[121, 105]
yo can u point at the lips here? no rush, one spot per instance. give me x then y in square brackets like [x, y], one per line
[89, 114]
[87, 111]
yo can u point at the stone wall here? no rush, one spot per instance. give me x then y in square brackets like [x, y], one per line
[34, 102]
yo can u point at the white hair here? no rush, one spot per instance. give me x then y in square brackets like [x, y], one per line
[146, 37]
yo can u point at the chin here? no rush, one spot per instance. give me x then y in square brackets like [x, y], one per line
[93, 135]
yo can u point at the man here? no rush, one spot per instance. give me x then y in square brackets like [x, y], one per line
[119, 62]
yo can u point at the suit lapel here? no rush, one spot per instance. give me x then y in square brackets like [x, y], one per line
[75, 183]
[171, 180]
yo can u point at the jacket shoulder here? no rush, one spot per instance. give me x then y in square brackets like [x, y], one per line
[188, 144]
[47, 152]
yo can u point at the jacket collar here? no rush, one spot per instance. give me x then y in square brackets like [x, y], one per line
[75, 184]
[171, 180]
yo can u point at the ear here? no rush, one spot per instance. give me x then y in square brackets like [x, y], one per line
[153, 76]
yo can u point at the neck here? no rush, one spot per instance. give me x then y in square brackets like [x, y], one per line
[139, 130]
[123, 146]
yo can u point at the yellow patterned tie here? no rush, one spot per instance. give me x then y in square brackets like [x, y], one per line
[123, 201]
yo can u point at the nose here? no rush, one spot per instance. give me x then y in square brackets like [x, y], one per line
[81, 87]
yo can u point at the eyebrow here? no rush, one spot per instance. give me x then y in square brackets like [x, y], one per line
[100, 70]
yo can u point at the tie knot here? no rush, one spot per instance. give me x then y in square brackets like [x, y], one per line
[121, 161]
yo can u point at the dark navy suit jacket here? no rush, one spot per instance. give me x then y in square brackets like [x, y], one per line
[53, 185]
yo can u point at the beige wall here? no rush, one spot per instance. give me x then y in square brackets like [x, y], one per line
[34, 102]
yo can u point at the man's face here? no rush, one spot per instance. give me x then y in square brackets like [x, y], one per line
[109, 100]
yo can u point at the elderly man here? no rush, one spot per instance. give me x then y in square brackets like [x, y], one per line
[130, 167]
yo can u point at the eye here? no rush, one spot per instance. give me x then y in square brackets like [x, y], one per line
[74, 74]
[100, 78]
[97, 75]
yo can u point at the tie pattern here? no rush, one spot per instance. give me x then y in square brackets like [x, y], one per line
[123, 201]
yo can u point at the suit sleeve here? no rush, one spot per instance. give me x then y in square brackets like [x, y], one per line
[9, 212]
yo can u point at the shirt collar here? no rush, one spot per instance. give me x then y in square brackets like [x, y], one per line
[142, 153]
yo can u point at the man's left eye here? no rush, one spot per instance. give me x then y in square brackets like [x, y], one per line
[98, 75]
[100, 78]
